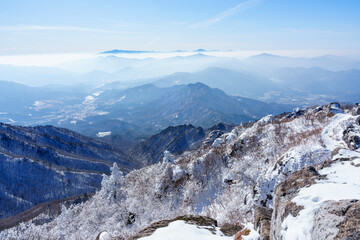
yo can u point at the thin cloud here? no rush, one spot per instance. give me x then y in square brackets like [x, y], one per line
[54, 28]
[231, 11]
[152, 42]
[314, 31]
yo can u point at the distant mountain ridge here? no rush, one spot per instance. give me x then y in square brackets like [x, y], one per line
[119, 51]
[151, 109]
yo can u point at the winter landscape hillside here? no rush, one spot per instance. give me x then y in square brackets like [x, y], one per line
[299, 166]
[179, 120]
[46, 163]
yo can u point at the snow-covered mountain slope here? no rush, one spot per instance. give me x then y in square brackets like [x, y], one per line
[176, 140]
[44, 163]
[225, 181]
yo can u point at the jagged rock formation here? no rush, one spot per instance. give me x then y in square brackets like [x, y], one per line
[262, 221]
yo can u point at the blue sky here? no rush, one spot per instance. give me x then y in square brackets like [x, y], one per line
[48, 26]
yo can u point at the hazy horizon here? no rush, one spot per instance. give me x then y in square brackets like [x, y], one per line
[306, 28]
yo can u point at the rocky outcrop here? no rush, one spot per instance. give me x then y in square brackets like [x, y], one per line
[356, 110]
[352, 136]
[357, 121]
[263, 221]
[285, 192]
[337, 220]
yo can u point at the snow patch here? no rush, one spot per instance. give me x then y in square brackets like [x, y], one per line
[180, 230]
[103, 134]
[266, 119]
[254, 235]
[343, 182]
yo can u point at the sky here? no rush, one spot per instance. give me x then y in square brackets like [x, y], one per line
[87, 26]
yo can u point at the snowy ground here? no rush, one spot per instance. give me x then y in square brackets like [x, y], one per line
[179, 230]
[342, 182]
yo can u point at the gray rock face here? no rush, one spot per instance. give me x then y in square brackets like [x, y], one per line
[263, 221]
[335, 108]
[358, 121]
[356, 110]
[352, 136]
[285, 192]
[337, 220]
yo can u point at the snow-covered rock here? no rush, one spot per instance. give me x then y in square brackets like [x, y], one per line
[178, 173]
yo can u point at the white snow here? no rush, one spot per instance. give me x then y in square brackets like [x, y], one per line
[343, 182]
[254, 235]
[178, 173]
[333, 133]
[168, 157]
[103, 134]
[217, 142]
[180, 230]
[105, 236]
[266, 119]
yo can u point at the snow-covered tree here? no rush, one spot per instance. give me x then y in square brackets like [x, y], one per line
[111, 185]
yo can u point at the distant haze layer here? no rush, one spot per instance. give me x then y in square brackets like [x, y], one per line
[54, 59]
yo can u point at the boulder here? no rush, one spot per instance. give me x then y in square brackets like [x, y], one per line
[230, 229]
[351, 136]
[337, 220]
[355, 110]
